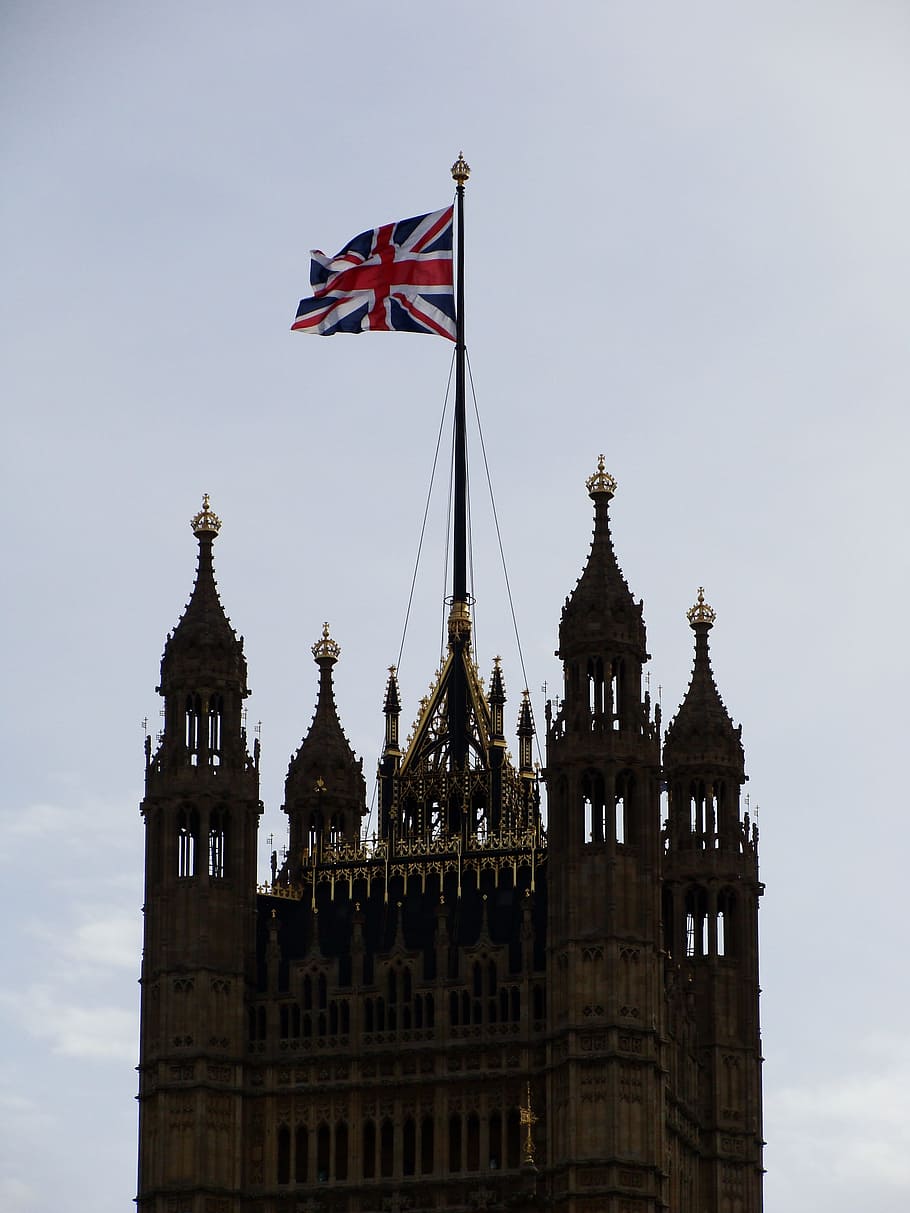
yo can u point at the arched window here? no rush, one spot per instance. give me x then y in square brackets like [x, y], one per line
[617, 685]
[426, 1146]
[455, 1142]
[336, 829]
[409, 1147]
[596, 688]
[284, 1155]
[540, 1006]
[301, 1154]
[592, 790]
[369, 1150]
[473, 1142]
[218, 822]
[387, 1149]
[314, 832]
[341, 1150]
[696, 923]
[726, 923]
[622, 814]
[323, 1150]
[495, 1159]
[192, 722]
[187, 834]
[697, 824]
[215, 719]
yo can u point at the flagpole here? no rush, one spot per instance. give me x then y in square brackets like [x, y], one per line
[460, 172]
[459, 618]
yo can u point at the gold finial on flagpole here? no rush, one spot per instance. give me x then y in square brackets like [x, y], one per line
[461, 170]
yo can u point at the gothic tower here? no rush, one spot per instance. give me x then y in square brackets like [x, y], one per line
[201, 811]
[325, 793]
[710, 921]
[605, 973]
[460, 1009]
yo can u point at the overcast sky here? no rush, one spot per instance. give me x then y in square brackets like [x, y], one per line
[687, 247]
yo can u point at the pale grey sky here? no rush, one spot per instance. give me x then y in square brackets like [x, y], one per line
[688, 248]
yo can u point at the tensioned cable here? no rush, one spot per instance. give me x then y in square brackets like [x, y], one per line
[423, 525]
[467, 498]
[502, 555]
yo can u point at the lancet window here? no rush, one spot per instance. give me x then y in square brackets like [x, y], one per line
[594, 804]
[192, 725]
[187, 838]
[215, 724]
[218, 831]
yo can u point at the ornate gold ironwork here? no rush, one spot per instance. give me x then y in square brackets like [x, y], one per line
[206, 522]
[528, 1120]
[601, 481]
[326, 646]
[701, 612]
[459, 622]
[461, 170]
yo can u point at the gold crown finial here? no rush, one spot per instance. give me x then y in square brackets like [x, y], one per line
[206, 522]
[601, 481]
[701, 612]
[326, 646]
[461, 170]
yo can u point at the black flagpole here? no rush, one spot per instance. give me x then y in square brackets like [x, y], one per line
[460, 172]
[459, 618]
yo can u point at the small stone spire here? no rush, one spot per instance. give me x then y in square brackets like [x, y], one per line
[203, 650]
[496, 699]
[600, 614]
[525, 734]
[325, 789]
[392, 710]
[702, 731]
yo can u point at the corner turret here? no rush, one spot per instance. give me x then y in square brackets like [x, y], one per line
[203, 671]
[325, 792]
[703, 758]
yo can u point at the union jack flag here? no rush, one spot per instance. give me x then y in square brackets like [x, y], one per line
[395, 278]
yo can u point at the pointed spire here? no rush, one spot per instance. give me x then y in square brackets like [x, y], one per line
[392, 703]
[203, 649]
[392, 710]
[702, 732]
[496, 699]
[325, 789]
[601, 611]
[325, 745]
[497, 689]
[525, 734]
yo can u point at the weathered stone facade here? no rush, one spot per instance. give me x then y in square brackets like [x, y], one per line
[471, 1010]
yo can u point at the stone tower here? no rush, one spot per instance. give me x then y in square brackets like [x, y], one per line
[606, 1098]
[710, 922]
[201, 811]
[474, 1006]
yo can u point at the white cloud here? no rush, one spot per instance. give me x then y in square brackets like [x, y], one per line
[17, 1196]
[854, 1126]
[100, 1032]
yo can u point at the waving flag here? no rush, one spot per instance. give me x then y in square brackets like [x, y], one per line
[395, 278]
